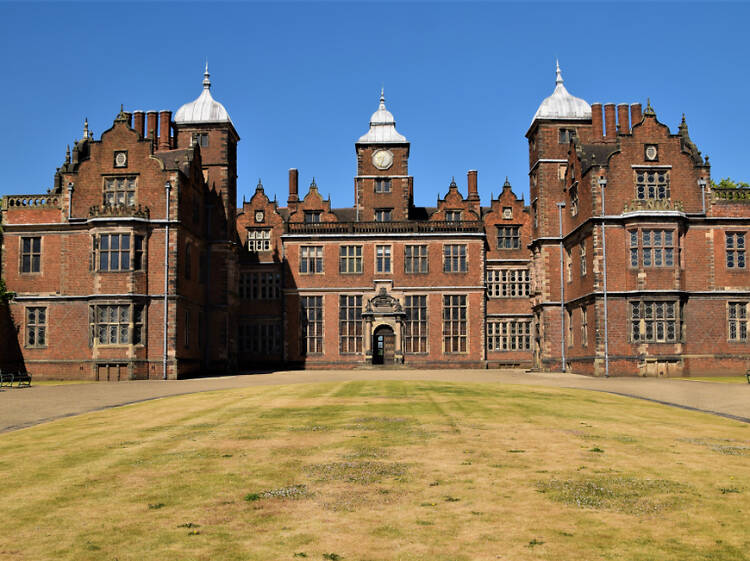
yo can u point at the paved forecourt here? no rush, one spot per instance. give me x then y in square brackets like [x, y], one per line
[25, 407]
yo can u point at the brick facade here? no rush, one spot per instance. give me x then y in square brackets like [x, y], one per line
[311, 285]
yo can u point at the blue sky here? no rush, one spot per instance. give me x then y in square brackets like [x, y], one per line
[300, 80]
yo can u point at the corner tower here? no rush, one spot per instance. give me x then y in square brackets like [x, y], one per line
[206, 122]
[561, 117]
[383, 188]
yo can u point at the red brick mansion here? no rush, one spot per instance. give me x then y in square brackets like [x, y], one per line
[137, 263]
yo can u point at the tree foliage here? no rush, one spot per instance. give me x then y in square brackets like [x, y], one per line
[5, 294]
[729, 183]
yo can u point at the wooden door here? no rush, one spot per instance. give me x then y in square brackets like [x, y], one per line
[389, 348]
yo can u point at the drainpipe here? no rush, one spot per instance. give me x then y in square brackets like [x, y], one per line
[70, 200]
[561, 206]
[702, 183]
[603, 184]
[168, 189]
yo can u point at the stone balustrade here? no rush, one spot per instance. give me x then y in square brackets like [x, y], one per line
[10, 202]
[384, 227]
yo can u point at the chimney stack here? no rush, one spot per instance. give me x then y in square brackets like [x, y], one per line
[596, 121]
[293, 185]
[165, 118]
[472, 181]
[151, 125]
[636, 113]
[623, 118]
[138, 118]
[609, 121]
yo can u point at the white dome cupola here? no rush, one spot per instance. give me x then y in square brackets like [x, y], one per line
[561, 105]
[382, 127]
[205, 109]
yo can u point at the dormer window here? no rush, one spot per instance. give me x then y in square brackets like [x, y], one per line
[119, 191]
[452, 215]
[312, 216]
[383, 185]
[566, 135]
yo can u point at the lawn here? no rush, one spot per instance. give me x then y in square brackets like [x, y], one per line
[719, 379]
[379, 471]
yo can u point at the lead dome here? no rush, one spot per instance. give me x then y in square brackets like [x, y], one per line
[382, 127]
[562, 105]
[205, 109]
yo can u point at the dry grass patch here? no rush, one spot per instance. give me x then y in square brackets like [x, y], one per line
[376, 471]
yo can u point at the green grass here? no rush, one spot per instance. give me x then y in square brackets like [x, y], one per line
[377, 471]
[718, 379]
[59, 382]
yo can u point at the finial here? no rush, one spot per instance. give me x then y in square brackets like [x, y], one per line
[121, 117]
[86, 133]
[67, 154]
[558, 78]
[313, 185]
[259, 187]
[382, 94]
[506, 185]
[649, 110]
[206, 81]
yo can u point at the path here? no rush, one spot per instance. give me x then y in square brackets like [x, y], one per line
[21, 408]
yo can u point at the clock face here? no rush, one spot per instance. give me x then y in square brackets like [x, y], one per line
[651, 152]
[259, 216]
[382, 159]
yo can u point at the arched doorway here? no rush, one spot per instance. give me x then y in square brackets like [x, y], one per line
[383, 345]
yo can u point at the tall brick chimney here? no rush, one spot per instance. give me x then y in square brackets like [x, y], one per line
[293, 186]
[623, 118]
[609, 121]
[165, 118]
[152, 125]
[636, 113]
[596, 121]
[139, 123]
[472, 181]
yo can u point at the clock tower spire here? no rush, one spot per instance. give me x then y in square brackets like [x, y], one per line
[383, 187]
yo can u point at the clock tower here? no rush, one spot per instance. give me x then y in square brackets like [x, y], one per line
[383, 188]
